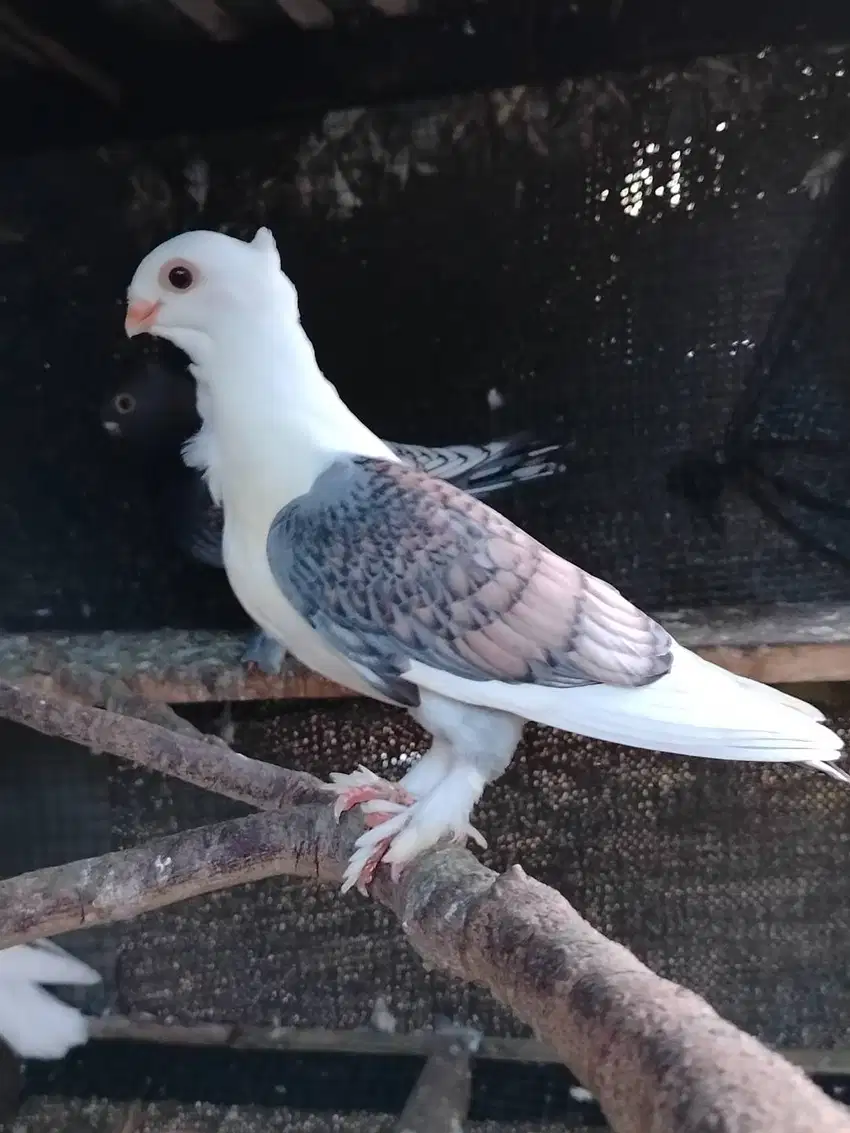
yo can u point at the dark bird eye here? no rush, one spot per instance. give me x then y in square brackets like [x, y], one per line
[180, 278]
[124, 403]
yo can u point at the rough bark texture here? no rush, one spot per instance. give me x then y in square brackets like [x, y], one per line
[777, 643]
[297, 841]
[205, 761]
[657, 1057]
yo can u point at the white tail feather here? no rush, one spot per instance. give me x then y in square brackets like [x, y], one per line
[697, 709]
[33, 1022]
[827, 769]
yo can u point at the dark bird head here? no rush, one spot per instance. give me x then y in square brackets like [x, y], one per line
[154, 408]
[700, 480]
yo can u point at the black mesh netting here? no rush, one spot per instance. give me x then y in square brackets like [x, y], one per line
[596, 263]
[611, 283]
[785, 444]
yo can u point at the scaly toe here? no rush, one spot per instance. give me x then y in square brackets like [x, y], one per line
[361, 868]
[356, 787]
[364, 788]
[475, 835]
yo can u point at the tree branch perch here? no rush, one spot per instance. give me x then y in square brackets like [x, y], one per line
[656, 1056]
[204, 761]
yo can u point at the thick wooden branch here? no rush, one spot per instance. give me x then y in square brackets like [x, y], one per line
[657, 1057]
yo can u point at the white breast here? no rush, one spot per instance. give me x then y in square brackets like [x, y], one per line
[250, 576]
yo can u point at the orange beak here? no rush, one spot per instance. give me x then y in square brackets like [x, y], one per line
[141, 316]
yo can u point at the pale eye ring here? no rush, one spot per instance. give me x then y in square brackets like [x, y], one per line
[124, 403]
[180, 277]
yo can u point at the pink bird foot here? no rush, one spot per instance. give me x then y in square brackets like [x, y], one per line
[362, 786]
[382, 802]
[399, 826]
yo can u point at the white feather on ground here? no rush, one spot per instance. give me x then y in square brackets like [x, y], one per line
[33, 1022]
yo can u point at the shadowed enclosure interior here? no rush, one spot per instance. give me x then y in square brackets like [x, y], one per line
[597, 262]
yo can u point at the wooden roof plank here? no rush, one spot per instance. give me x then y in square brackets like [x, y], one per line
[395, 7]
[308, 13]
[207, 15]
[60, 56]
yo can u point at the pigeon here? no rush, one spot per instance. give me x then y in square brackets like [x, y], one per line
[154, 412]
[32, 1021]
[405, 588]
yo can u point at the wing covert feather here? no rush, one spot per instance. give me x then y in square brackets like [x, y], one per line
[393, 566]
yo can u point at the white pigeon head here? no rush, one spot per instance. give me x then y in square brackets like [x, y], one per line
[190, 289]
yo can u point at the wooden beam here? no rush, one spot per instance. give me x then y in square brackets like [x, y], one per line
[9, 45]
[396, 7]
[416, 1044]
[261, 79]
[207, 15]
[776, 644]
[61, 57]
[308, 13]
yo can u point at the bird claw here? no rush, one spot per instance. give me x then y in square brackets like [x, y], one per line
[364, 788]
[385, 842]
[388, 811]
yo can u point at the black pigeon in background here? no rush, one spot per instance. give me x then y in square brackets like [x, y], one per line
[154, 412]
[787, 442]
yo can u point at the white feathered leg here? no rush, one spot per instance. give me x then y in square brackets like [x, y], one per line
[472, 746]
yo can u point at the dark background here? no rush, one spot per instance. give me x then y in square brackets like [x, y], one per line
[442, 250]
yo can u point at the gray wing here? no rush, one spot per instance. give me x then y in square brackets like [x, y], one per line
[483, 469]
[198, 522]
[392, 566]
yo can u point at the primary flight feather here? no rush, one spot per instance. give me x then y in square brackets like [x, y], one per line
[407, 589]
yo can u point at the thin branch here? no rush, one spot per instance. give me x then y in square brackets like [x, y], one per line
[775, 644]
[302, 841]
[206, 762]
[19, 50]
[178, 666]
[396, 7]
[405, 1044]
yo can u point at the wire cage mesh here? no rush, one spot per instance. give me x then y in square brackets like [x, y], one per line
[640, 270]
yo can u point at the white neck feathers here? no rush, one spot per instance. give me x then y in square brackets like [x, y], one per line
[271, 420]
